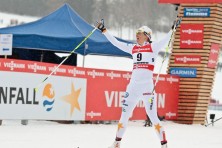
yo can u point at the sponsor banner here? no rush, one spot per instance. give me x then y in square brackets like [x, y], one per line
[60, 98]
[196, 12]
[184, 72]
[105, 98]
[74, 93]
[187, 59]
[191, 35]
[189, 1]
[214, 52]
[107, 104]
[167, 90]
[6, 44]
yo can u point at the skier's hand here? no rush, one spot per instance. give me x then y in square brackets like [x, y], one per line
[100, 25]
[176, 23]
[173, 25]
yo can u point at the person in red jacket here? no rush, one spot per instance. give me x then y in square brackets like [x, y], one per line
[141, 85]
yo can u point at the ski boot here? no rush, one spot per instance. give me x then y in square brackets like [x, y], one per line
[116, 144]
[164, 144]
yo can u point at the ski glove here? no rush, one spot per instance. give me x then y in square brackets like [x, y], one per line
[100, 26]
[176, 23]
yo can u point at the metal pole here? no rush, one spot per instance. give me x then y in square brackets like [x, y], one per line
[84, 54]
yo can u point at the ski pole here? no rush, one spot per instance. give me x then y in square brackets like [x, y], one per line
[36, 89]
[213, 121]
[176, 24]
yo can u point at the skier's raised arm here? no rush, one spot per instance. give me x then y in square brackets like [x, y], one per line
[121, 45]
[157, 46]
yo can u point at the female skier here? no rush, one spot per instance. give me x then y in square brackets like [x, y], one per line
[141, 84]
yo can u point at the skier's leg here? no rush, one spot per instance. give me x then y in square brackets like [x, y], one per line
[128, 106]
[151, 110]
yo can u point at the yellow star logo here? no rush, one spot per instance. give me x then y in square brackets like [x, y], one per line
[158, 127]
[72, 99]
[120, 125]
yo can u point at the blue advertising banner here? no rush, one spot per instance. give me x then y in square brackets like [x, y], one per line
[196, 12]
[184, 72]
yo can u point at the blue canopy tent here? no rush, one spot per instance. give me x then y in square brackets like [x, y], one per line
[62, 31]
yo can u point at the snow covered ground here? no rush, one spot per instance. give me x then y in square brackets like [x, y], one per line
[216, 93]
[46, 134]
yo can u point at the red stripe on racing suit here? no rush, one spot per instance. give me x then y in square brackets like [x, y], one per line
[145, 66]
[145, 48]
[143, 57]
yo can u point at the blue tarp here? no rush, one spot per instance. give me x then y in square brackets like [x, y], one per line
[61, 31]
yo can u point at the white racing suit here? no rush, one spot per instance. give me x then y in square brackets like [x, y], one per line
[141, 84]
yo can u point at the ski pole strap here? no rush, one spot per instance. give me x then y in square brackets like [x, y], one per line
[177, 23]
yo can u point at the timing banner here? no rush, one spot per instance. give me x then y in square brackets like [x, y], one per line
[196, 12]
[74, 93]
